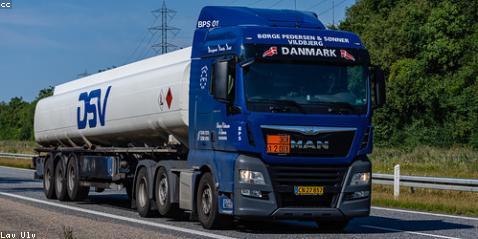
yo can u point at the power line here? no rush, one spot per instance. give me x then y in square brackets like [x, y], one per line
[131, 56]
[332, 8]
[256, 2]
[276, 3]
[317, 4]
[147, 48]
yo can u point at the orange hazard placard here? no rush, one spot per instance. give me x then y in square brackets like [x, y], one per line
[278, 144]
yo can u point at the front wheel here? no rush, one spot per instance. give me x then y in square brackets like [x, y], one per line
[207, 205]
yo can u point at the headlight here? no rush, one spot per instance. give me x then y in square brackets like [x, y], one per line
[251, 177]
[360, 179]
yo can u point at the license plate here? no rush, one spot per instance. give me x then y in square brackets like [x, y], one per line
[308, 190]
[278, 144]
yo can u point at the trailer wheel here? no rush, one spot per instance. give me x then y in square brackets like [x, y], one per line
[76, 192]
[332, 226]
[207, 206]
[163, 197]
[60, 182]
[143, 204]
[49, 179]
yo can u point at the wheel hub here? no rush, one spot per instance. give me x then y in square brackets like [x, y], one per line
[142, 193]
[71, 179]
[59, 180]
[163, 190]
[206, 200]
[47, 179]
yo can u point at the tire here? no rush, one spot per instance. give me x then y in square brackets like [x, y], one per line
[163, 197]
[143, 204]
[75, 191]
[207, 206]
[60, 181]
[332, 226]
[49, 178]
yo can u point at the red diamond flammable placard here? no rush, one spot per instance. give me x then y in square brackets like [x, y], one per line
[169, 98]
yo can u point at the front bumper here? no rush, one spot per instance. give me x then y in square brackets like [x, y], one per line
[273, 205]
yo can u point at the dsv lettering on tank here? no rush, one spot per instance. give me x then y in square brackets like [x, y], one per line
[92, 108]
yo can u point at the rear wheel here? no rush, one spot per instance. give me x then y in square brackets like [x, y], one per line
[60, 182]
[76, 192]
[163, 197]
[332, 225]
[143, 204]
[207, 206]
[49, 178]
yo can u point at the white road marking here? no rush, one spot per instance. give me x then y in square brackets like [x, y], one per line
[409, 232]
[22, 169]
[117, 217]
[425, 213]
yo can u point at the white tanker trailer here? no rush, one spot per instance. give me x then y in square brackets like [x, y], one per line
[140, 104]
[267, 115]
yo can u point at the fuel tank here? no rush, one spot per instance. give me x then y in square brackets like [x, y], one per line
[139, 104]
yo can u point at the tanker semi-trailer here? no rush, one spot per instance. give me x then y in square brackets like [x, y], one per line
[267, 115]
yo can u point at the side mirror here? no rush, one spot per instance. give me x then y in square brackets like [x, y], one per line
[223, 80]
[379, 87]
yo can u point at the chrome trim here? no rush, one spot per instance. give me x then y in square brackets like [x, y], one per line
[308, 130]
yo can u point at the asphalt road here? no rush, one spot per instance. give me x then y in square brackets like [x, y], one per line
[108, 215]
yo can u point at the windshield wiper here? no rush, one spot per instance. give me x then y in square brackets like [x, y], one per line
[279, 105]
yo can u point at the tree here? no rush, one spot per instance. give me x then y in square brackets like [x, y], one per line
[428, 49]
[16, 117]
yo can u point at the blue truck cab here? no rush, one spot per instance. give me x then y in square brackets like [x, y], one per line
[280, 117]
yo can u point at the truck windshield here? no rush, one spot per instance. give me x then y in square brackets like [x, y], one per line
[308, 88]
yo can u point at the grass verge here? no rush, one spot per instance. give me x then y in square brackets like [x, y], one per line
[21, 147]
[456, 162]
[440, 201]
[17, 163]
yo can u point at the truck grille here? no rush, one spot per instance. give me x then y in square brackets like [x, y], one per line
[284, 178]
[331, 142]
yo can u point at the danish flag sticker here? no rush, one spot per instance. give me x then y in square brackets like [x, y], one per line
[346, 55]
[271, 52]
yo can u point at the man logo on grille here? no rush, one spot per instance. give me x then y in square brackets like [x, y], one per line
[310, 144]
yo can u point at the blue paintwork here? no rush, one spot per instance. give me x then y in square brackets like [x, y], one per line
[222, 32]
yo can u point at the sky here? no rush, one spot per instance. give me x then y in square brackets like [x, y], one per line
[48, 42]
